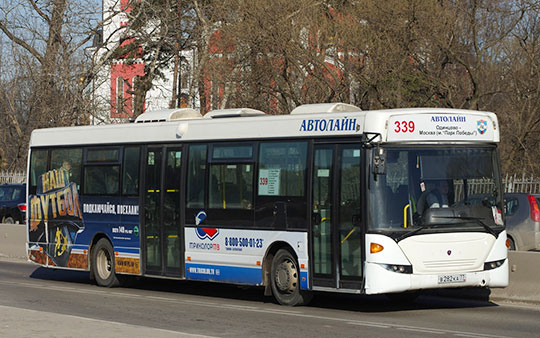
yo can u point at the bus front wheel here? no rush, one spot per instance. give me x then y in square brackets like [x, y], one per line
[286, 280]
[103, 264]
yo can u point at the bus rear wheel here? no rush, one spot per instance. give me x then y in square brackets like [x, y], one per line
[103, 264]
[286, 280]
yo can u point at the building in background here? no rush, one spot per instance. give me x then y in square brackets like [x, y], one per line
[116, 81]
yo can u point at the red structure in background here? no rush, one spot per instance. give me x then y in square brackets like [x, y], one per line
[334, 77]
[124, 75]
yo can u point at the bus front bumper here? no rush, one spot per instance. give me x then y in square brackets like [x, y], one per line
[380, 280]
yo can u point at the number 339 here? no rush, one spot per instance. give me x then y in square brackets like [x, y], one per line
[404, 126]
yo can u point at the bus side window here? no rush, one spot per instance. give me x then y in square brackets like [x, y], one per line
[196, 177]
[68, 160]
[38, 166]
[231, 176]
[102, 171]
[130, 175]
[281, 185]
[101, 180]
[231, 186]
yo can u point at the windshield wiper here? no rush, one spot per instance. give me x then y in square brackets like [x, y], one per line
[429, 226]
[476, 219]
[411, 233]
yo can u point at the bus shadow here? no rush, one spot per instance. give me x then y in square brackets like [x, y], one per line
[429, 299]
[61, 275]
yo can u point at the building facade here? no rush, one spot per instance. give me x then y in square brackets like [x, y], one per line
[116, 81]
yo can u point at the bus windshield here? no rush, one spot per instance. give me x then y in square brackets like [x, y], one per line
[436, 189]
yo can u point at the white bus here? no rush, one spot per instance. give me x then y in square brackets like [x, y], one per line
[328, 198]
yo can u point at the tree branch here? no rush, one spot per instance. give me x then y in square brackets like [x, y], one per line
[39, 11]
[21, 43]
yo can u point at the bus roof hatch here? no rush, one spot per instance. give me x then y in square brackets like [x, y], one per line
[336, 107]
[164, 115]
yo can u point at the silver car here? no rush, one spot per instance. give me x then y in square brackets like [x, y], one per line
[523, 221]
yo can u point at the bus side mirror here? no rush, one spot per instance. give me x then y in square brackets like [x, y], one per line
[378, 163]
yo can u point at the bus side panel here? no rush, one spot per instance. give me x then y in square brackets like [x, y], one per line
[118, 219]
[55, 220]
[64, 240]
[236, 256]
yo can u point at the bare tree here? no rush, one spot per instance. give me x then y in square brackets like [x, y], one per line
[520, 109]
[46, 43]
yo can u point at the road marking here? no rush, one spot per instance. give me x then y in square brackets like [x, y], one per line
[421, 330]
[369, 324]
[158, 298]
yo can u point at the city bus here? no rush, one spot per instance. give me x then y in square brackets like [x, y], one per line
[328, 198]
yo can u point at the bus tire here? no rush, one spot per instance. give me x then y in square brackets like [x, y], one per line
[103, 264]
[285, 280]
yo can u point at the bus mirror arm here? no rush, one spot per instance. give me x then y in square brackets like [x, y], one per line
[378, 165]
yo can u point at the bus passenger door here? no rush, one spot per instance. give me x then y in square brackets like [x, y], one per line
[163, 242]
[336, 234]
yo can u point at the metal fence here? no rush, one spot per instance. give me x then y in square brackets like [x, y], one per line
[525, 184]
[511, 183]
[12, 177]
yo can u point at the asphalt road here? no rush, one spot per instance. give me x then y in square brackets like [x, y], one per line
[39, 302]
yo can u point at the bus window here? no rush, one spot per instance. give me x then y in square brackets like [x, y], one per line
[101, 180]
[38, 166]
[130, 175]
[281, 201]
[227, 152]
[69, 160]
[231, 178]
[196, 178]
[103, 155]
[231, 186]
[282, 169]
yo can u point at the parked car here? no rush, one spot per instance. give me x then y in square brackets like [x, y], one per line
[523, 221]
[13, 203]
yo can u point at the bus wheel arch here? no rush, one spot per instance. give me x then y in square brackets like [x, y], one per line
[102, 262]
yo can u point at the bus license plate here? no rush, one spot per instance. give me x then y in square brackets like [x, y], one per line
[449, 279]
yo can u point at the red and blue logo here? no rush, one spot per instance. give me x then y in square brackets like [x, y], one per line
[209, 233]
[482, 126]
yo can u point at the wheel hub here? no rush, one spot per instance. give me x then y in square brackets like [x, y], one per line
[103, 264]
[286, 277]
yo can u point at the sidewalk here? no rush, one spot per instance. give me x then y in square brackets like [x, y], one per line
[17, 322]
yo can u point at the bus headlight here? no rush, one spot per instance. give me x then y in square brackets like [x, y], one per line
[494, 264]
[398, 268]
